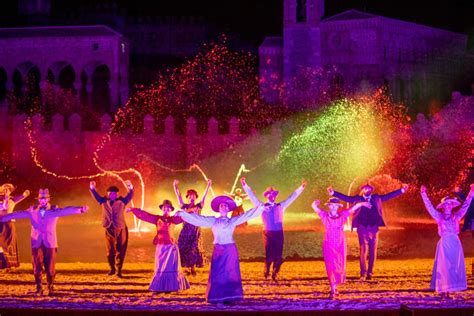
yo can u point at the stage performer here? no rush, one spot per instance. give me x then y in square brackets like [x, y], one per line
[225, 283]
[449, 271]
[168, 275]
[190, 240]
[8, 241]
[367, 221]
[113, 220]
[273, 236]
[238, 198]
[44, 244]
[334, 243]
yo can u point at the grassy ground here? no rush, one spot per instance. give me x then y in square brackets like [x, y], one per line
[302, 286]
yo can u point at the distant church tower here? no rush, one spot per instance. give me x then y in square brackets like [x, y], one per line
[35, 12]
[301, 36]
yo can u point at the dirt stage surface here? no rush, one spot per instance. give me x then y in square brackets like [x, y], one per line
[302, 286]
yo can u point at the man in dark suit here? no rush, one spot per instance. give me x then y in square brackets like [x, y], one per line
[113, 220]
[367, 222]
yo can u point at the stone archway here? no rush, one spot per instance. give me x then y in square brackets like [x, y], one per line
[26, 87]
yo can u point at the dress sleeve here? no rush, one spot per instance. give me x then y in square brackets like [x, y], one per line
[197, 220]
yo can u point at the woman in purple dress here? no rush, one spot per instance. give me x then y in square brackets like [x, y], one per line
[334, 243]
[190, 240]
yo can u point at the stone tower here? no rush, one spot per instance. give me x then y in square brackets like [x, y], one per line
[301, 36]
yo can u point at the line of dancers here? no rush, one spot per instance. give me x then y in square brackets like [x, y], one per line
[225, 282]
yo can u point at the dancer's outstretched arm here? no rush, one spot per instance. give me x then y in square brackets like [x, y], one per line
[242, 218]
[250, 193]
[19, 198]
[209, 183]
[95, 195]
[144, 215]
[15, 215]
[284, 204]
[197, 220]
[465, 206]
[357, 206]
[178, 194]
[428, 205]
[394, 194]
[68, 210]
[340, 196]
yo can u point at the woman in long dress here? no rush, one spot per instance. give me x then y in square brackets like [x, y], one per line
[225, 283]
[168, 276]
[190, 239]
[334, 243]
[8, 241]
[449, 271]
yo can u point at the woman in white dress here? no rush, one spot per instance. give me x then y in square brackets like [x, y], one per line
[225, 283]
[449, 271]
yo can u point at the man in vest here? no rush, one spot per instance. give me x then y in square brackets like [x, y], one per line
[44, 242]
[273, 237]
[113, 220]
[367, 221]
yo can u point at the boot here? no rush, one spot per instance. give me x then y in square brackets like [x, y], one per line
[111, 265]
[266, 273]
[39, 288]
[50, 286]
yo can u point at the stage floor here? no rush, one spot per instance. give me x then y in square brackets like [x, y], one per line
[302, 287]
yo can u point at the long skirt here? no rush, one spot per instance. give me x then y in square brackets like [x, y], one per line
[449, 270]
[8, 242]
[191, 246]
[225, 282]
[168, 276]
[334, 251]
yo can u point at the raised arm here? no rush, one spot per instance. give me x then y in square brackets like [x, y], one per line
[391, 195]
[19, 198]
[250, 193]
[197, 220]
[209, 183]
[178, 194]
[242, 218]
[465, 206]
[340, 196]
[144, 215]
[316, 208]
[284, 204]
[68, 210]
[15, 215]
[95, 195]
[129, 195]
[429, 206]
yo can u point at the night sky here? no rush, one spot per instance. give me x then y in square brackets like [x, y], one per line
[255, 19]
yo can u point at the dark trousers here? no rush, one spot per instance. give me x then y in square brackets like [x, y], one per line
[116, 241]
[9, 257]
[273, 241]
[44, 257]
[368, 239]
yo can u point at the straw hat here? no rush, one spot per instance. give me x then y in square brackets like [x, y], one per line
[223, 199]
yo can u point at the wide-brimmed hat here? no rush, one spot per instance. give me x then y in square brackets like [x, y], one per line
[449, 199]
[43, 194]
[222, 199]
[335, 201]
[366, 185]
[167, 202]
[112, 188]
[191, 191]
[269, 190]
[7, 186]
